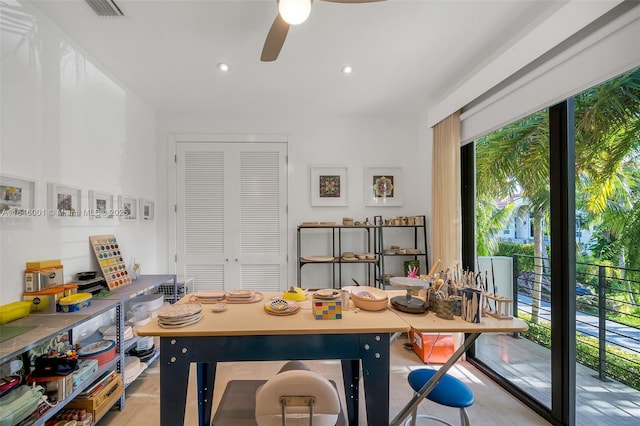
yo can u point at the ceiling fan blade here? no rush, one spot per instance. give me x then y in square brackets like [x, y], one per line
[352, 1]
[275, 39]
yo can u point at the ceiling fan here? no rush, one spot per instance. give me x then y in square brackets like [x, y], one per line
[290, 12]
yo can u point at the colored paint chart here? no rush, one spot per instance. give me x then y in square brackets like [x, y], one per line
[107, 251]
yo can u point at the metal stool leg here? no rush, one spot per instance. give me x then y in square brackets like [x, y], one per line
[464, 417]
[414, 418]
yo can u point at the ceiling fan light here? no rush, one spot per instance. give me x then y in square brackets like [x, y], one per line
[294, 12]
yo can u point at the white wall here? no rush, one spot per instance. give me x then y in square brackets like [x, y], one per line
[64, 119]
[355, 142]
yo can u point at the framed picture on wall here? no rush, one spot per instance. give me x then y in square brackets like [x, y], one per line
[127, 207]
[328, 186]
[100, 205]
[383, 186]
[147, 210]
[63, 201]
[17, 197]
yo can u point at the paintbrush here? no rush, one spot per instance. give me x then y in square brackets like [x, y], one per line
[434, 267]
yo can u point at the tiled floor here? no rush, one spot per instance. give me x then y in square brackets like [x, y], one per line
[493, 406]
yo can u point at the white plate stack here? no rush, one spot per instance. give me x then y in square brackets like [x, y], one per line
[111, 333]
[132, 368]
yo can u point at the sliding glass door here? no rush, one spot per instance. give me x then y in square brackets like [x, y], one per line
[557, 196]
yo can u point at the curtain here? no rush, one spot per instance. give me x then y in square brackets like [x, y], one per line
[446, 226]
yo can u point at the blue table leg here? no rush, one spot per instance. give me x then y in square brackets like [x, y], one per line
[205, 375]
[174, 378]
[351, 378]
[375, 355]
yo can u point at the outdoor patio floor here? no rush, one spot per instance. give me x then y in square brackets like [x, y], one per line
[528, 365]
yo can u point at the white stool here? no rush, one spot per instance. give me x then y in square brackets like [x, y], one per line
[297, 397]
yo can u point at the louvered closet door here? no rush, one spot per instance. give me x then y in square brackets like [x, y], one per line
[231, 230]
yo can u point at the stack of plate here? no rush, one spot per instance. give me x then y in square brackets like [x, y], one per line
[326, 293]
[144, 343]
[208, 296]
[281, 307]
[110, 332]
[240, 296]
[132, 368]
[143, 354]
[179, 315]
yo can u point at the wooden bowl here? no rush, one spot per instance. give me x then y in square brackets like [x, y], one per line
[369, 301]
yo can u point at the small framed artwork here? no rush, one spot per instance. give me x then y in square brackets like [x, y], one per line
[147, 210]
[17, 197]
[383, 186]
[100, 205]
[63, 200]
[127, 207]
[328, 186]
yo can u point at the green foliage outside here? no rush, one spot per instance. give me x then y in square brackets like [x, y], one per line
[525, 263]
[512, 163]
[621, 365]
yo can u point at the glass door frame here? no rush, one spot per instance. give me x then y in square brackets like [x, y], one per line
[563, 261]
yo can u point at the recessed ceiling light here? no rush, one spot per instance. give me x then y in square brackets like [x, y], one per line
[347, 69]
[223, 66]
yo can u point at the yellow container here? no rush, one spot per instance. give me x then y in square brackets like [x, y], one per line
[13, 311]
[44, 264]
[45, 300]
[75, 302]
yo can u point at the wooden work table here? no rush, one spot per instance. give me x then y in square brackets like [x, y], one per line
[245, 332]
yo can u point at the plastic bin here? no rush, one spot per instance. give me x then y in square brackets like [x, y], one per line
[13, 311]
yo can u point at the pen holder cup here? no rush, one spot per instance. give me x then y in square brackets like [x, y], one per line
[444, 308]
[471, 305]
[457, 305]
[432, 299]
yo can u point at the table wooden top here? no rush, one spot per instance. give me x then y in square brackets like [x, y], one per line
[251, 319]
[427, 323]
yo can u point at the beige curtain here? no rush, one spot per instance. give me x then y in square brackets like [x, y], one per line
[446, 232]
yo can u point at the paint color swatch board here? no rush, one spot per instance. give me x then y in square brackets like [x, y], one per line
[107, 251]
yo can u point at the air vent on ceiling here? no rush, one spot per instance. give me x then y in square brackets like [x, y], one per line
[105, 7]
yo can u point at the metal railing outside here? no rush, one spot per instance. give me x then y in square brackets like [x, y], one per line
[607, 315]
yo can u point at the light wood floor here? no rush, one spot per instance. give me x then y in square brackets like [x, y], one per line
[493, 406]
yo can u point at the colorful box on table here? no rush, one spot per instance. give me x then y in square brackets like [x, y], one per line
[327, 309]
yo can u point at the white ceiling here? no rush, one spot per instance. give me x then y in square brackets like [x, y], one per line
[407, 55]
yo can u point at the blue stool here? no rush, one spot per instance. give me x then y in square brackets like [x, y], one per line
[449, 391]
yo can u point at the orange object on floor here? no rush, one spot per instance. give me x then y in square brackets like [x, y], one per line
[433, 348]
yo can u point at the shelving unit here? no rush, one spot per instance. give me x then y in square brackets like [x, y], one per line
[336, 250]
[47, 326]
[419, 243]
[142, 285]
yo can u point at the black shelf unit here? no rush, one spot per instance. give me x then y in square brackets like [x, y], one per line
[336, 251]
[419, 231]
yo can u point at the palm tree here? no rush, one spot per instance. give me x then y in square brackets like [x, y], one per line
[516, 157]
[607, 149]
